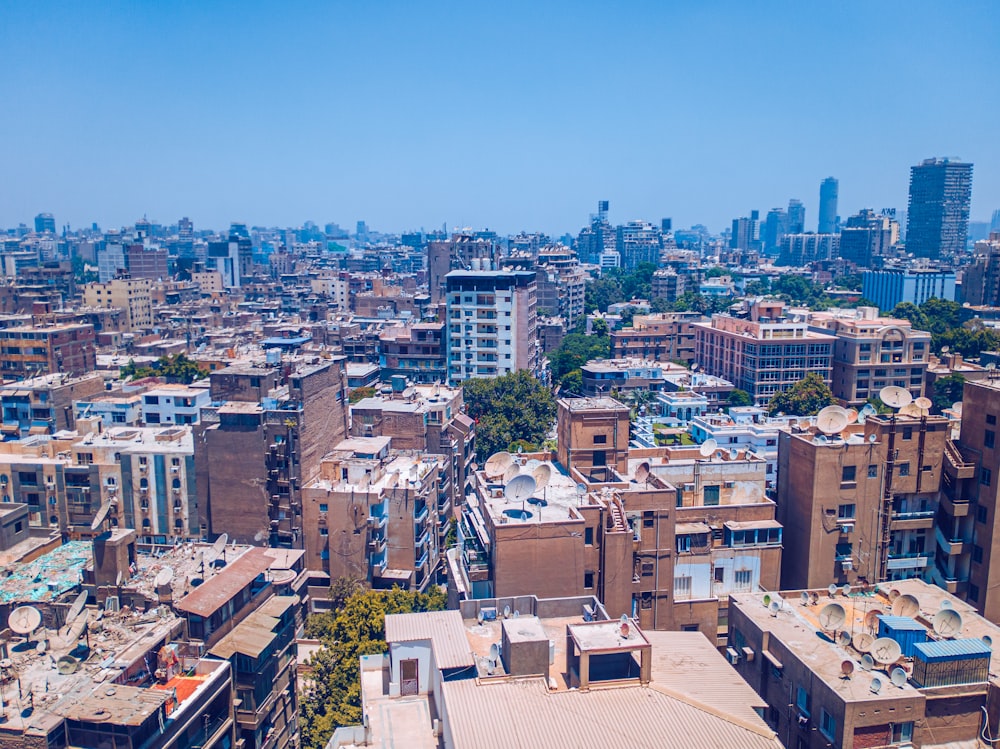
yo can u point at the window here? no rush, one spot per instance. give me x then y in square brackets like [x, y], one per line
[646, 601]
[991, 419]
[682, 586]
[802, 701]
[981, 514]
[907, 433]
[977, 554]
[904, 469]
[848, 474]
[588, 580]
[873, 471]
[973, 592]
[647, 569]
[902, 733]
[647, 519]
[324, 532]
[846, 512]
[18, 526]
[827, 724]
[324, 507]
[742, 579]
[600, 439]
[720, 574]
[989, 438]
[711, 495]
[683, 544]
[588, 536]
[985, 476]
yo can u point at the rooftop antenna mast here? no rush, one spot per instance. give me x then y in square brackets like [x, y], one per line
[895, 398]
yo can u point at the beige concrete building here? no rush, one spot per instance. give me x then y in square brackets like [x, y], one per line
[829, 686]
[131, 295]
[667, 337]
[872, 352]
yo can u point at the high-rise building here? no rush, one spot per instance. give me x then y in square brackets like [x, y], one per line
[995, 222]
[802, 249]
[828, 206]
[938, 209]
[639, 242]
[45, 222]
[746, 232]
[887, 288]
[796, 217]
[464, 251]
[597, 238]
[866, 236]
[775, 227]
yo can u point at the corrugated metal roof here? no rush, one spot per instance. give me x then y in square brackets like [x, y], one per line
[444, 629]
[523, 713]
[902, 623]
[229, 581]
[940, 650]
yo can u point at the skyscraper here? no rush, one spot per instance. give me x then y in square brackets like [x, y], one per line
[938, 210]
[828, 206]
[775, 227]
[796, 217]
[746, 232]
[44, 222]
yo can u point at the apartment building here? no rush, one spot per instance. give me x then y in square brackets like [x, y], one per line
[44, 404]
[28, 351]
[492, 325]
[921, 684]
[561, 283]
[766, 353]
[861, 506]
[377, 514]
[666, 337]
[418, 352]
[872, 352]
[132, 295]
[745, 428]
[174, 404]
[624, 376]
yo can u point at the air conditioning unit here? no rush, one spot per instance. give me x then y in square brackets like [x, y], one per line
[748, 654]
[175, 469]
[847, 565]
[689, 487]
[803, 721]
[733, 655]
[728, 484]
[847, 527]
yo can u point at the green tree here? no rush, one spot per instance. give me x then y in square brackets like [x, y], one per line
[576, 349]
[178, 368]
[571, 383]
[359, 394]
[947, 390]
[332, 697]
[805, 398]
[512, 407]
[740, 398]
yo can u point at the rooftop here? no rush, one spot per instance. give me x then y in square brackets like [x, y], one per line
[47, 577]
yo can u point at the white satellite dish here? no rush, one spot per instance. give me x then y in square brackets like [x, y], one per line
[876, 686]
[844, 639]
[947, 623]
[805, 598]
[163, 577]
[832, 616]
[832, 590]
[497, 463]
[946, 604]
[911, 409]
[862, 642]
[581, 489]
[642, 472]
[494, 653]
[774, 608]
[101, 516]
[506, 612]
[831, 420]
[542, 474]
[957, 408]
[512, 471]
[867, 662]
[734, 453]
[76, 608]
[906, 605]
[923, 403]
[845, 589]
[519, 488]
[895, 397]
[898, 677]
[24, 620]
[707, 448]
[220, 544]
[886, 651]
[871, 618]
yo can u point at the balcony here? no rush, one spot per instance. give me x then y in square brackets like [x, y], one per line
[422, 537]
[912, 520]
[955, 464]
[956, 507]
[377, 542]
[421, 561]
[378, 516]
[378, 563]
[950, 546]
[911, 561]
[419, 513]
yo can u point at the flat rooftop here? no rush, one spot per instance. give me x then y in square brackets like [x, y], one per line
[47, 577]
[555, 502]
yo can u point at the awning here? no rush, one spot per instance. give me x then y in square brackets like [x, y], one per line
[684, 529]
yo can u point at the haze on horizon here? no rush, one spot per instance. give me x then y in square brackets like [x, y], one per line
[516, 117]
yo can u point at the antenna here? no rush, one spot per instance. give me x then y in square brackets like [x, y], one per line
[947, 623]
[831, 420]
[832, 616]
[867, 662]
[906, 605]
[497, 464]
[895, 397]
[846, 669]
[642, 472]
[24, 620]
[898, 677]
[707, 448]
[886, 651]
[876, 686]
[519, 488]
[542, 474]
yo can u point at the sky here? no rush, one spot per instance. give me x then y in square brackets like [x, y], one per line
[510, 116]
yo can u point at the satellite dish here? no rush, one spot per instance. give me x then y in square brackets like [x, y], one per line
[519, 488]
[868, 410]
[924, 404]
[101, 516]
[847, 668]
[832, 590]
[512, 471]
[844, 639]
[898, 677]
[542, 474]
[163, 577]
[886, 651]
[862, 642]
[871, 618]
[894, 396]
[480, 617]
[642, 472]
[911, 409]
[707, 448]
[945, 349]
[805, 598]
[872, 438]
[852, 415]
[67, 665]
[845, 589]
[957, 407]
[41, 646]
[516, 614]
[947, 623]
[946, 604]
[24, 620]
[893, 595]
[734, 454]
[76, 608]
[494, 652]
[832, 616]
[867, 662]
[906, 605]
[831, 420]
[220, 544]
[506, 612]
[774, 608]
[876, 686]
[767, 599]
[581, 489]
[988, 640]
[120, 579]
[497, 463]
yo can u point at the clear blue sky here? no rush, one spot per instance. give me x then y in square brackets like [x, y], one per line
[507, 115]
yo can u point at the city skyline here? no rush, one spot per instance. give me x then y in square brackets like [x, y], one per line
[482, 118]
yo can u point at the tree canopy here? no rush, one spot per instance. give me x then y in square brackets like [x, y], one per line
[947, 390]
[332, 697]
[943, 320]
[739, 397]
[576, 349]
[512, 407]
[176, 368]
[805, 398]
